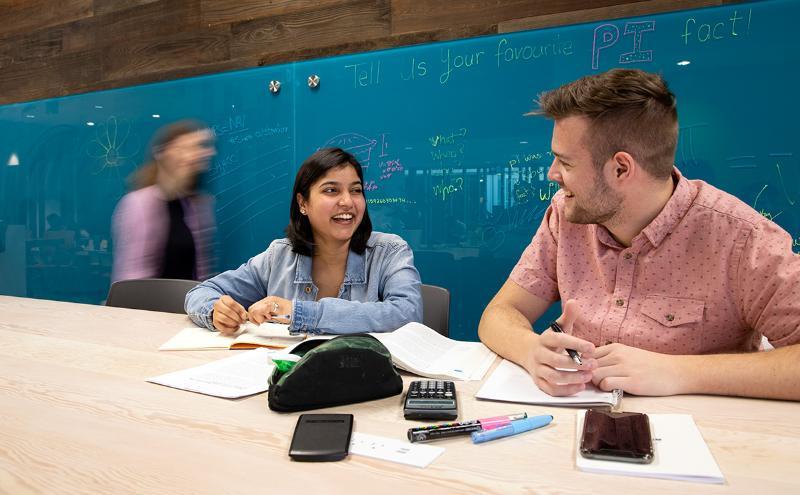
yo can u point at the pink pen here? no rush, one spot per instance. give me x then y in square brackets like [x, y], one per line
[498, 421]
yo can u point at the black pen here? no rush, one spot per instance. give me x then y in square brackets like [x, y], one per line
[572, 352]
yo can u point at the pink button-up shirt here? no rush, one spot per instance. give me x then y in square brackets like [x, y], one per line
[707, 275]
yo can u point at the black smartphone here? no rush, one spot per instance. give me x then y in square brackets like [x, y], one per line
[321, 437]
[620, 436]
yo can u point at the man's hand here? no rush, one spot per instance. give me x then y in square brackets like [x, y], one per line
[272, 308]
[637, 371]
[548, 358]
[228, 315]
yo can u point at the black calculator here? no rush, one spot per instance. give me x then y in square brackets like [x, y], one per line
[431, 399]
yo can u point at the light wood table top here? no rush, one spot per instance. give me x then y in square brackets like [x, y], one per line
[78, 417]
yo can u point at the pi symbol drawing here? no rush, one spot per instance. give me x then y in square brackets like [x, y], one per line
[607, 35]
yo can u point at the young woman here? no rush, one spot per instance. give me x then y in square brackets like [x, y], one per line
[331, 274]
[164, 228]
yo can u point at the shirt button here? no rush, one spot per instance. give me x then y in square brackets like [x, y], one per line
[669, 317]
[627, 256]
[308, 289]
[619, 302]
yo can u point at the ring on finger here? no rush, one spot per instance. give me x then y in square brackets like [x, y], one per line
[274, 307]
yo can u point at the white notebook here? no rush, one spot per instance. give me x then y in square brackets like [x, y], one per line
[251, 336]
[680, 453]
[511, 383]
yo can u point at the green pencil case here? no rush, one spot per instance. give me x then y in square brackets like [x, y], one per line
[343, 370]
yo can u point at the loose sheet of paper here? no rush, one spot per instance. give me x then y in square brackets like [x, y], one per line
[389, 449]
[679, 448]
[244, 374]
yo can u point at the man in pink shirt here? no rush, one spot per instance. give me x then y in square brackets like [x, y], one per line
[669, 284]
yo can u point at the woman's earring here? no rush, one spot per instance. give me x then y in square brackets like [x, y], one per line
[302, 211]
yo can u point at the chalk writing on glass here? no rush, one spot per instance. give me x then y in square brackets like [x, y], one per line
[231, 124]
[506, 52]
[766, 214]
[783, 185]
[384, 201]
[447, 146]
[111, 144]
[418, 69]
[221, 166]
[718, 29]
[546, 194]
[444, 190]
[524, 158]
[262, 132]
[686, 143]
[356, 144]
[607, 35]
[389, 168]
[365, 74]
[457, 62]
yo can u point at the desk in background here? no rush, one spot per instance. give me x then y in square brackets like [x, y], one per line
[79, 417]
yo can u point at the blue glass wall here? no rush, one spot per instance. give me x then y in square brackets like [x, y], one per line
[451, 163]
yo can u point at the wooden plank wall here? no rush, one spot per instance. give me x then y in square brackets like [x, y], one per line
[53, 48]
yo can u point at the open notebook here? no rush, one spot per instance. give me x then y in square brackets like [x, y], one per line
[250, 336]
[511, 383]
[425, 352]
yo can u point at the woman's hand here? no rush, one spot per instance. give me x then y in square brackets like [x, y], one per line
[228, 315]
[272, 308]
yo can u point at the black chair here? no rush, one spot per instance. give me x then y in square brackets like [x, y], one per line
[436, 308]
[154, 294]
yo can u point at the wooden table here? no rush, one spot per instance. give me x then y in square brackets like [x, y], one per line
[78, 416]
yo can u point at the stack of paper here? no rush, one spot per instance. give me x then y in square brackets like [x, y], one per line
[425, 352]
[680, 453]
[511, 383]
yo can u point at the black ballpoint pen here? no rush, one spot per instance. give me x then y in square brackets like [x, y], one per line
[572, 352]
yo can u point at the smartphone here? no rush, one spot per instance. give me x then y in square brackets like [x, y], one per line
[621, 436]
[321, 437]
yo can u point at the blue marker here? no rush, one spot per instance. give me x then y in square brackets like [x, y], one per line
[518, 426]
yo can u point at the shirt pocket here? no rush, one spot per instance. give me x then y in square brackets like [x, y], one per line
[671, 325]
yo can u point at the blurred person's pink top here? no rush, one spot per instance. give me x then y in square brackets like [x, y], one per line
[708, 275]
[141, 226]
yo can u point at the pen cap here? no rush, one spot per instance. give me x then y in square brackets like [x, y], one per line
[499, 421]
[518, 426]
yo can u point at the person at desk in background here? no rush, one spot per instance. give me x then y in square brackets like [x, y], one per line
[669, 283]
[331, 274]
[164, 228]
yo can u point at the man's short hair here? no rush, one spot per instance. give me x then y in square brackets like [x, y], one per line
[628, 110]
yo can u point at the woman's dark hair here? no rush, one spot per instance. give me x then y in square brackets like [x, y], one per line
[314, 168]
[147, 174]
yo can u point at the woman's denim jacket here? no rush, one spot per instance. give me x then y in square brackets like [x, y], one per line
[380, 291]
